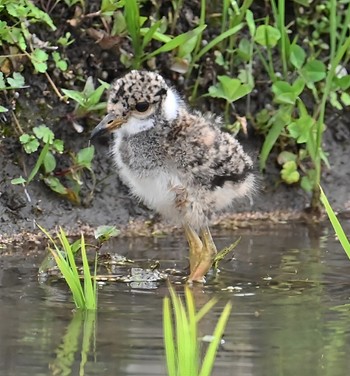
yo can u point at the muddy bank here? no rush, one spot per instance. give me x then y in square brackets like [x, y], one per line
[111, 202]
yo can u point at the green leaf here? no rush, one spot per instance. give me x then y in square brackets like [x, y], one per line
[345, 98]
[38, 14]
[49, 162]
[3, 109]
[249, 17]
[278, 121]
[89, 87]
[230, 89]
[104, 233]
[85, 156]
[58, 145]
[119, 24]
[76, 96]
[38, 163]
[2, 81]
[187, 48]
[333, 98]
[267, 36]
[17, 81]
[30, 143]
[19, 180]
[108, 7]
[343, 82]
[95, 96]
[55, 185]
[307, 184]
[301, 128]
[42, 132]
[314, 71]
[289, 173]
[60, 63]
[244, 49]
[38, 58]
[284, 93]
[298, 86]
[286, 156]
[177, 41]
[150, 33]
[297, 56]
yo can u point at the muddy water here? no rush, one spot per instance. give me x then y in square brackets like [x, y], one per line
[289, 284]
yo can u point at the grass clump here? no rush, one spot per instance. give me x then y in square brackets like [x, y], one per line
[84, 294]
[182, 346]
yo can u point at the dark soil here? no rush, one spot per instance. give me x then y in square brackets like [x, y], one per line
[111, 203]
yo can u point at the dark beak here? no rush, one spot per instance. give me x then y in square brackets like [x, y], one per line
[109, 123]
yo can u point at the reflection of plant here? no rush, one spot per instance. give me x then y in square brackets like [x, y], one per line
[76, 343]
[43, 138]
[182, 347]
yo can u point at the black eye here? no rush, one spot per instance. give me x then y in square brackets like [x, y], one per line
[142, 106]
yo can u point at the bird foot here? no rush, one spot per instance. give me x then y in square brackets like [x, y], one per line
[197, 276]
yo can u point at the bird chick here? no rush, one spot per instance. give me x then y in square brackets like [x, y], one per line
[177, 161]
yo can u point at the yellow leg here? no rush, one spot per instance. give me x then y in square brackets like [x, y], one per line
[201, 253]
[196, 247]
[208, 244]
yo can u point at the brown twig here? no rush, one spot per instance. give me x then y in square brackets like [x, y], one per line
[18, 126]
[60, 96]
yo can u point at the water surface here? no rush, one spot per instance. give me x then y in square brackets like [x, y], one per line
[288, 285]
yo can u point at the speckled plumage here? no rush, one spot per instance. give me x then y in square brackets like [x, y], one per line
[177, 161]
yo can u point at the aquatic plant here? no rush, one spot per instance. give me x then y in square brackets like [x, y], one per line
[336, 224]
[182, 347]
[84, 295]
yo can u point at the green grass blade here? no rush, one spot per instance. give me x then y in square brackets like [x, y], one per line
[89, 289]
[336, 224]
[170, 351]
[217, 40]
[150, 32]
[210, 355]
[333, 28]
[73, 284]
[205, 309]
[192, 333]
[71, 278]
[132, 18]
[282, 118]
[176, 42]
[39, 162]
[69, 252]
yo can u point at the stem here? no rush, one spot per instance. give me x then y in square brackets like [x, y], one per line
[315, 202]
[55, 89]
[199, 41]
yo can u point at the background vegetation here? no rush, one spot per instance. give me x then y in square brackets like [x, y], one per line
[273, 68]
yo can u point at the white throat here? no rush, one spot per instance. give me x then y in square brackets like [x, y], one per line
[134, 125]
